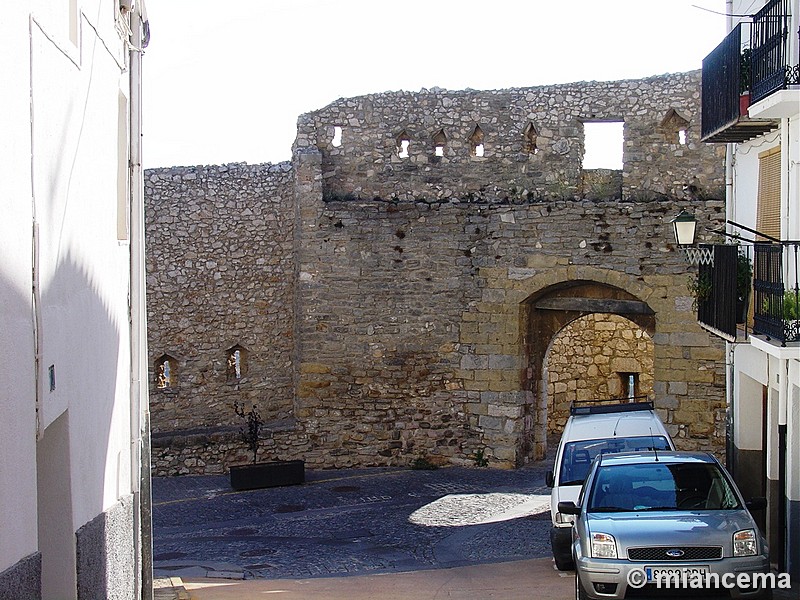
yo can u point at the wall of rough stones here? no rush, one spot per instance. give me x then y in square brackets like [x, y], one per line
[585, 360]
[366, 162]
[401, 311]
[220, 272]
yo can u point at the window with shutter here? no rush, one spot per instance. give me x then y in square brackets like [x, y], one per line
[768, 220]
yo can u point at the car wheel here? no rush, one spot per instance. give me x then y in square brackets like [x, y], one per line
[563, 564]
[580, 593]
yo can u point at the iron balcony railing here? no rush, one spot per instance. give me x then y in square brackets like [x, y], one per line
[771, 65]
[722, 84]
[776, 301]
[725, 93]
[756, 286]
[715, 291]
[755, 60]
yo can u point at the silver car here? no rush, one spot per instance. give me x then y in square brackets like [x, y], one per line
[665, 524]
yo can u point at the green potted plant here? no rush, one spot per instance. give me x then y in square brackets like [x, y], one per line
[744, 283]
[262, 474]
[791, 305]
[700, 288]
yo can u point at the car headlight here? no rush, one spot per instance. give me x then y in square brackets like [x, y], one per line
[604, 546]
[745, 543]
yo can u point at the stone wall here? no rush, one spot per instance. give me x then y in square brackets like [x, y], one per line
[533, 141]
[585, 361]
[220, 274]
[399, 310]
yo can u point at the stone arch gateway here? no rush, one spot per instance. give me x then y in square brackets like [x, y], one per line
[549, 311]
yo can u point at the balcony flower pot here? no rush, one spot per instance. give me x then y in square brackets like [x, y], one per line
[268, 474]
[744, 103]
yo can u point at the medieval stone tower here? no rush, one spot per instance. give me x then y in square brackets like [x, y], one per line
[434, 275]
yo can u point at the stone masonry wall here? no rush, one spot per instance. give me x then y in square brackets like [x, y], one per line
[366, 162]
[220, 270]
[390, 315]
[585, 359]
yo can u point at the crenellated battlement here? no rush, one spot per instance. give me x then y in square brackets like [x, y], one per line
[521, 144]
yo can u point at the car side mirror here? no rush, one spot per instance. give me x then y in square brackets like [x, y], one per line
[569, 508]
[758, 503]
[549, 479]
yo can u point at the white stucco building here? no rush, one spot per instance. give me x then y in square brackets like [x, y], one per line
[73, 435]
[751, 102]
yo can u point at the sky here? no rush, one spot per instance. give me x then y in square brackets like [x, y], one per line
[224, 82]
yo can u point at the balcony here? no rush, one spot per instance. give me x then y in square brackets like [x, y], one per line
[726, 94]
[771, 66]
[729, 301]
[776, 307]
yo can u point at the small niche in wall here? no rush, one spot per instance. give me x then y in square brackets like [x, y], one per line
[476, 141]
[337, 137]
[403, 143]
[166, 372]
[235, 363]
[530, 135]
[675, 127]
[629, 385]
[439, 142]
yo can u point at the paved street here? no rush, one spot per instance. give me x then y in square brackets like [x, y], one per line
[366, 534]
[349, 522]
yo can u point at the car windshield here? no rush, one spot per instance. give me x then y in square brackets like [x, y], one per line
[659, 486]
[578, 456]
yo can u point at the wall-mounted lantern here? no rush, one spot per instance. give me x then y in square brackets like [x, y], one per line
[685, 225]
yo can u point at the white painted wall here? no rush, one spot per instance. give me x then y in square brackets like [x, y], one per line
[18, 424]
[64, 120]
[745, 180]
[750, 377]
[793, 433]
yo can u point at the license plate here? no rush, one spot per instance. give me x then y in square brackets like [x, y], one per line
[676, 576]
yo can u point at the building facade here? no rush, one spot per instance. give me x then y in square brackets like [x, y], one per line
[751, 105]
[422, 279]
[73, 431]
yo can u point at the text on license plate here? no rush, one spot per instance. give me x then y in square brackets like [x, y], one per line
[675, 574]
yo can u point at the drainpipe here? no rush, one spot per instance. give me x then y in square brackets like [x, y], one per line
[783, 405]
[730, 413]
[140, 415]
[729, 11]
[785, 167]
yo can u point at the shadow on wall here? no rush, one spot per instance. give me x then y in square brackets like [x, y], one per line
[21, 578]
[81, 338]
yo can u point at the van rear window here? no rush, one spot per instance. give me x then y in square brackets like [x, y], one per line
[578, 456]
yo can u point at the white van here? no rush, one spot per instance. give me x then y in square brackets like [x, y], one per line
[595, 427]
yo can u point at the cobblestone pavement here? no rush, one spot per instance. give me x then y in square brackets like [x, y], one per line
[349, 522]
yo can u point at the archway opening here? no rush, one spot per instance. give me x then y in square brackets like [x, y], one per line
[596, 316]
[597, 356]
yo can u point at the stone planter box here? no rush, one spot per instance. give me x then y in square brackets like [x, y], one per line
[271, 474]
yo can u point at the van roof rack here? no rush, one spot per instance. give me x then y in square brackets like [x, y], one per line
[599, 406]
